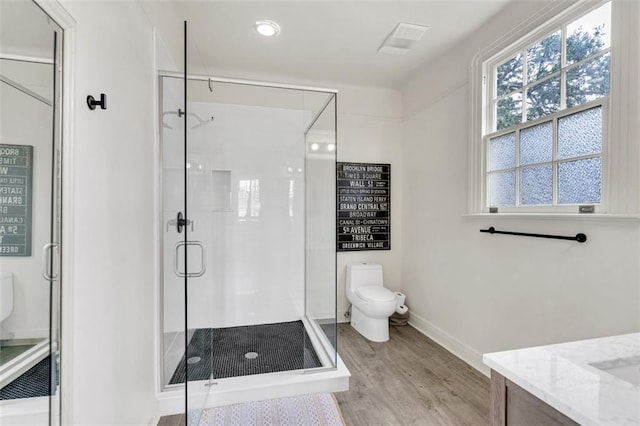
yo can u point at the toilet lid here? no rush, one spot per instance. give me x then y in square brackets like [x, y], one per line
[375, 293]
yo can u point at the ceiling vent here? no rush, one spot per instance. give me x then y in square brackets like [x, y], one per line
[402, 38]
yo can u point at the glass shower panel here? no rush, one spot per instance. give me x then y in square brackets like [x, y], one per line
[173, 186]
[247, 201]
[320, 232]
[30, 214]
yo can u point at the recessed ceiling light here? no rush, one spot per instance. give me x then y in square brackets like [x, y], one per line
[267, 28]
[314, 147]
[331, 147]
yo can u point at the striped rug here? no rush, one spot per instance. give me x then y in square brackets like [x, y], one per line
[305, 410]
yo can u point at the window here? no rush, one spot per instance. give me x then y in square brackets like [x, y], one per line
[546, 109]
[249, 199]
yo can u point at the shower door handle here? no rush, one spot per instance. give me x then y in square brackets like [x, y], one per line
[179, 223]
[176, 267]
[48, 250]
[174, 222]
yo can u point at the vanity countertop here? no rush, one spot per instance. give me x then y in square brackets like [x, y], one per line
[563, 376]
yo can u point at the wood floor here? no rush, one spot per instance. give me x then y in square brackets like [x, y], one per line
[175, 420]
[409, 380]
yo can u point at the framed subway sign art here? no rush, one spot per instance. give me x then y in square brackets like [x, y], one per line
[364, 206]
[16, 174]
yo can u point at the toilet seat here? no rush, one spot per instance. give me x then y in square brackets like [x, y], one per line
[375, 293]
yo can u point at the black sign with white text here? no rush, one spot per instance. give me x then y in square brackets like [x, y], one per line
[364, 206]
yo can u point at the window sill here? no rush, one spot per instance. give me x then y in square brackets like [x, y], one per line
[596, 217]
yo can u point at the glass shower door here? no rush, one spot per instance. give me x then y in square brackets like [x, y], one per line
[192, 250]
[30, 214]
[52, 250]
[183, 256]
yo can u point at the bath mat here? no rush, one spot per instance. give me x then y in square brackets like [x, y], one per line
[304, 410]
[246, 350]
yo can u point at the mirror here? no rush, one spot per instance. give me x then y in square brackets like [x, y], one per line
[30, 149]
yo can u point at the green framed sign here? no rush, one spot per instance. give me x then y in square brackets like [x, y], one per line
[16, 183]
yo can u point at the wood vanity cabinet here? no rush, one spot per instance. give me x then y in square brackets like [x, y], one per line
[514, 406]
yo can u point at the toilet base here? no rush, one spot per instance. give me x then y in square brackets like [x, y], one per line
[374, 329]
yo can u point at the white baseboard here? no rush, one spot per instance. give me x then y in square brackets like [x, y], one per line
[33, 333]
[450, 343]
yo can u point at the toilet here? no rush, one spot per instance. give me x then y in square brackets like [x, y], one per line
[6, 293]
[371, 303]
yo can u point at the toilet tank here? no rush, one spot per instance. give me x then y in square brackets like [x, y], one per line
[359, 274]
[6, 295]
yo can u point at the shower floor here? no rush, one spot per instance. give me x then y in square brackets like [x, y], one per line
[221, 351]
[33, 383]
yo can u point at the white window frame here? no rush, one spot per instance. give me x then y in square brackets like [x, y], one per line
[620, 158]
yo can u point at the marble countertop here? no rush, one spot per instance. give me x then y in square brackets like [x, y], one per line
[563, 376]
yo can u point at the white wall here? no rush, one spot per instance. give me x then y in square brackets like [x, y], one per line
[478, 293]
[27, 121]
[113, 299]
[370, 131]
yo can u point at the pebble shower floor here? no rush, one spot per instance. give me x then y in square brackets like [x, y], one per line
[246, 350]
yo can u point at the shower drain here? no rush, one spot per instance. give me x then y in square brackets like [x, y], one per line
[251, 355]
[193, 360]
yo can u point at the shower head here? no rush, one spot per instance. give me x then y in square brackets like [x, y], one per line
[199, 124]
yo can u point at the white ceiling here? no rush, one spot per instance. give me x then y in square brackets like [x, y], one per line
[327, 41]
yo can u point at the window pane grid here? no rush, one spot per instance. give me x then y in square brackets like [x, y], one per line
[555, 163]
[535, 82]
[582, 157]
[562, 71]
[583, 39]
[587, 59]
[542, 107]
[535, 189]
[543, 56]
[600, 102]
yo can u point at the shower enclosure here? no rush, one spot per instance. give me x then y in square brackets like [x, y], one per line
[248, 239]
[30, 214]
